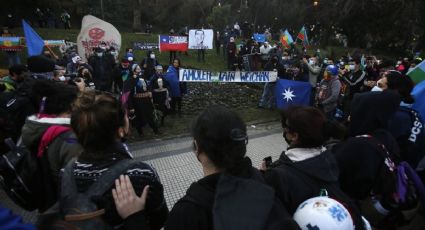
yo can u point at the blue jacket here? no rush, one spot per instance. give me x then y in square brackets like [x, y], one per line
[9, 221]
[172, 76]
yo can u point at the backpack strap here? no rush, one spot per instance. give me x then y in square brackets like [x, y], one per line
[102, 184]
[107, 180]
[49, 136]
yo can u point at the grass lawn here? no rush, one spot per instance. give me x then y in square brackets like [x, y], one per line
[213, 62]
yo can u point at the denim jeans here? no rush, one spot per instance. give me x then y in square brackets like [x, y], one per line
[268, 98]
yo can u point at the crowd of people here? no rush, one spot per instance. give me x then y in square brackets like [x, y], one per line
[357, 152]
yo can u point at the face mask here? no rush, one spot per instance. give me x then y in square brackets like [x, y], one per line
[130, 58]
[376, 89]
[99, 54]
[285, 58]
[62, 78]
[352, 67]
[152, 56]
[342, 63]
[160, 83]
[311, 62]
[325, 61]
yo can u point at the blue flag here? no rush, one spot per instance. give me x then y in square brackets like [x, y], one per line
[419, 95]
[260, 38]
[292, 93]
[34, 42]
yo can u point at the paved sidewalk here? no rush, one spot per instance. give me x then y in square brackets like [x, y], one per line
[177, 165]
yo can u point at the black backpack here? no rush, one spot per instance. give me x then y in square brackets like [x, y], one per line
[15, 106]
[26, 178]
[78, 210]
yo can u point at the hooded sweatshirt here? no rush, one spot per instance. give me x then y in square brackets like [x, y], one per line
[223, 201]
[298, 178]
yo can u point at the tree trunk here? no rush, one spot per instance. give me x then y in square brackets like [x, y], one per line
[137, 16]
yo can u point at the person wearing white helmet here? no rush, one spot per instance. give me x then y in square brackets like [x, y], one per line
[325, 213]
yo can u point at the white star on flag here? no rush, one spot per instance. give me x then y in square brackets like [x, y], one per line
[288, 94]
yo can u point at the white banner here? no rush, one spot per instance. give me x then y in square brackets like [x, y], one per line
[194, 75]
[201, 39]
[93, 32]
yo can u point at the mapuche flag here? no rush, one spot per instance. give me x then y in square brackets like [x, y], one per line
[286, 39]
[173, 43]
[302, 35]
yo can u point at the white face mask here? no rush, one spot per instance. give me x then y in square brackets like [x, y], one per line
[325, 61]
[62, 78]
[130, 59]
[99, 54]
[376, 89]
[352, 67]
[160, 83]
[311, 62]
[152, 56]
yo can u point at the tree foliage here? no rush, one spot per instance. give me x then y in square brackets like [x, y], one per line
[390, 24]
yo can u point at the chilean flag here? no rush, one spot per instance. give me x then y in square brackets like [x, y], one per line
[172, 43]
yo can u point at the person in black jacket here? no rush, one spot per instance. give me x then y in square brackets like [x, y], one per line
[232, 194]
[102, 68]
[371, 147]
[306, 168]
[407, 124]
[99, 122]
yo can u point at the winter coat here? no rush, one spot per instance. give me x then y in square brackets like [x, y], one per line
[88, 168]
[302, 173]
[354, 82]
[177, 88]
[408, 129]
[61, 149]
[195, 210]
[328, 94]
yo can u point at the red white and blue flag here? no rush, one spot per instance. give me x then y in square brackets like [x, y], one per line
[173, 43]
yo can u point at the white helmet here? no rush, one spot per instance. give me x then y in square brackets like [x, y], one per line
[323, 213]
